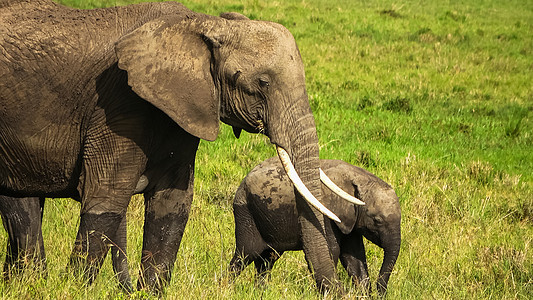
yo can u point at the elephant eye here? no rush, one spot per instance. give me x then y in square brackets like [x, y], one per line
[263, 83]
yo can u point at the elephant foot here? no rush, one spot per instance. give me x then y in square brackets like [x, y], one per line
[162, 237]
[362, 284]
[236, 266]
[126, 287]
[153, 277]
[120, 265]
[25, 263]
[119, 258]
[381, 287]
[84, 268]
[329, 287]
[92, 244]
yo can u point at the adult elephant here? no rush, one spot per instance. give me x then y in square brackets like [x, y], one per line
[93, 101]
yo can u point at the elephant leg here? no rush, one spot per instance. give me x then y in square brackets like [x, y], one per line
[265, 263]
[120, 257]
[104, 201]
[248, 241]
[353, 259]
[167, 202]
[113, 161]
[22, 219]
[333, 236]
[238, 263]
[96, 233]
[166, 214]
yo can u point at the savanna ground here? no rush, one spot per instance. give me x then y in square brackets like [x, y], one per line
[435, 97]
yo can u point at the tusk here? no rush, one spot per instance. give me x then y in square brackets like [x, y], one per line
[337, 190]
[299, 185]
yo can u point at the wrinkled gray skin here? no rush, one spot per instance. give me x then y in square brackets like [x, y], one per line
[266, 220]
[91, 100]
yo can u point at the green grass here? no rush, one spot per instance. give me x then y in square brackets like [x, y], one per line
[434, 97]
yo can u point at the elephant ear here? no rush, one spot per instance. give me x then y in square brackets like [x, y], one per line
[346, 211]
[169, 66]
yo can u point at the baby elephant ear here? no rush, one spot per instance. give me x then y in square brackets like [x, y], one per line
[169, 66]
[345, 210]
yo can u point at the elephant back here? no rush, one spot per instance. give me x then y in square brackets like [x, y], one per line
[269, 196]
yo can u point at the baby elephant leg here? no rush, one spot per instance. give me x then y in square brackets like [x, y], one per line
[353, 259]
[238, 263]
[248, 240]
[264, 264]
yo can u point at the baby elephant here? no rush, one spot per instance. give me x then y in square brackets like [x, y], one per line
[266, 220]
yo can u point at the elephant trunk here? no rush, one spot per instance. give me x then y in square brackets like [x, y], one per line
[391, 249]
[296, 133]
[300, 187]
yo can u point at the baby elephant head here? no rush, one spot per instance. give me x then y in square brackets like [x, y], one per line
[378, 220]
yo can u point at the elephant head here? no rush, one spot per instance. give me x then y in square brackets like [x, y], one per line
[378, 220]
[200, 69]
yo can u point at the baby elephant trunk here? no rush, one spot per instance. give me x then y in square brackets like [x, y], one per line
[391, 249]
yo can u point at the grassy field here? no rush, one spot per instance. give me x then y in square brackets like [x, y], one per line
[435, 97]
